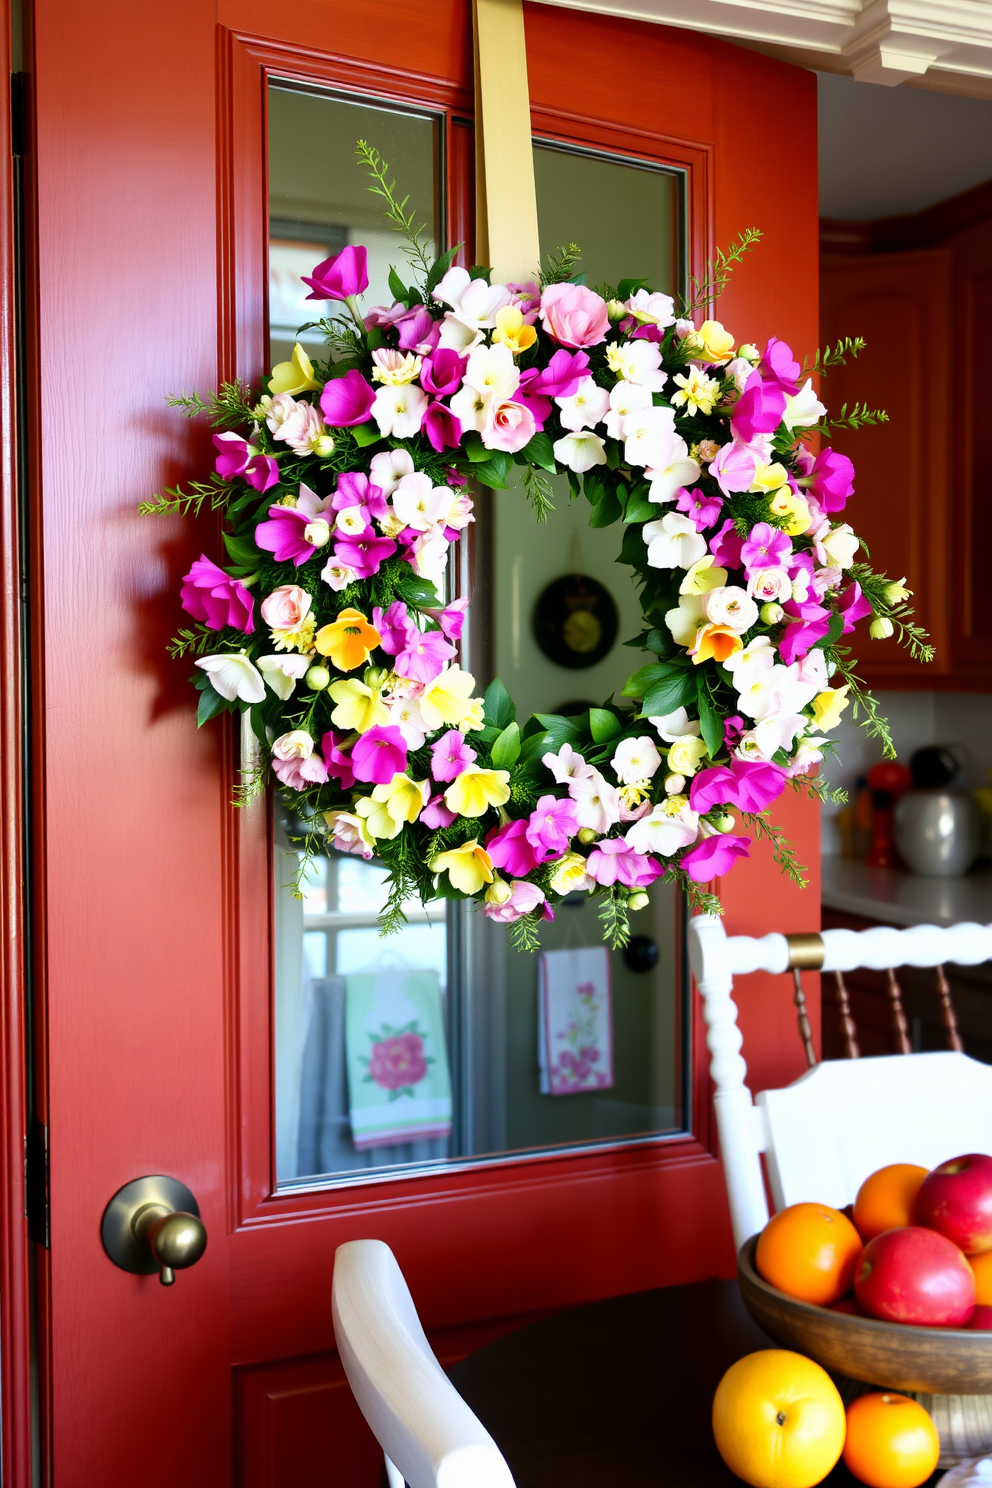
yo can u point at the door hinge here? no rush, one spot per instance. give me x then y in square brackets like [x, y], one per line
[18, 113]
[36, 1183]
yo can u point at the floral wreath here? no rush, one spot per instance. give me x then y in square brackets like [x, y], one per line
[345, 482]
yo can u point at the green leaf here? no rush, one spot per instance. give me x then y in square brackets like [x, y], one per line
[560, 730]
[540, 452]
[493, 472]
[606, 510]
[498, 705]
[628, 287]
[397, 288]
[364, 434]
[475, 449]
[644, 679]
[506, 750]
[603, 725]
[440, 267]
[211, 703]
[480, 271]
[242, 549]
[677, 690]
[710, 721]
[639, 509]
[833, 634]
[633, 551]
[415, 589]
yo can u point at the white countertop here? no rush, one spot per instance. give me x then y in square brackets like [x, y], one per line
[896, 898]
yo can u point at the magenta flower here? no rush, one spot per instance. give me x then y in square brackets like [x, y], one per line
[442, 373]
[398, 1061]
[799, 638]
[347, 401]
[704, 510]
[284, 535]
[726, 546]
[424, 655]
[733, 468]
[418, 331]
[213, 597]
[767, 547]
[561, 377]
[714, 856]
[452, 619]
[758, 410]
[551, 826]
[337, 760]
[733, 727]
[355, 489]
[777, 366]
[379, 754]
[365, 554]
[524, 899]
[509, 849]
[339, 277]
[236, 457]
[436, 814]
[536, 404]
[450, 755]
[394, 626]
[750, 785]
[833, 480]
[613, 860]
[442, 428]
[853, 606]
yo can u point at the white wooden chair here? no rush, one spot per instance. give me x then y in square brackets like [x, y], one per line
[430, 1437]
[824, 1134]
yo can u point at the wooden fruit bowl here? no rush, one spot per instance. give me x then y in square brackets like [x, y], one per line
[896, 1356]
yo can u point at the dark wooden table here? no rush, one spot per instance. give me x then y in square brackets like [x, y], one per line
[616, 1394]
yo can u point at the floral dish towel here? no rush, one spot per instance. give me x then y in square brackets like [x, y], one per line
[399, 1083]
[575, 1021]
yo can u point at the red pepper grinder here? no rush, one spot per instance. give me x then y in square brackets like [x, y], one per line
[887, 781]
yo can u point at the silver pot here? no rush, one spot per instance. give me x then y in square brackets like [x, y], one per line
[937, 832]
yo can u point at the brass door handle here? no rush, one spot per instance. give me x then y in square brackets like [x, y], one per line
[154, 1224]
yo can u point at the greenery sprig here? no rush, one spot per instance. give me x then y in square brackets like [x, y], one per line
[712, 283]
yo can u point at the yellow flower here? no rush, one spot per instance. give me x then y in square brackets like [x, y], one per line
[686, 755]
[895, 592]
[828, 706]
[403, 798]
[348, 641]
[475, 790]
[468, 867]
[475, 718]
[294, 376]
[498, 891]
[570, 874]
[787, 504]
[446, 699]
[512, 331]
[716, 643]
[378, 822]
[715, 344]
[704, 575]
[300, 639]
[768, 477]
[697, 391]
[359, 707]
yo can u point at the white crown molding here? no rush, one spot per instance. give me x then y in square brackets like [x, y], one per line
[942, 44]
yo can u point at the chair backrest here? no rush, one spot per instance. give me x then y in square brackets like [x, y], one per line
[840, 1121]
[429, 1435]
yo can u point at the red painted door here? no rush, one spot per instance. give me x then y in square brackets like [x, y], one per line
[152, 934]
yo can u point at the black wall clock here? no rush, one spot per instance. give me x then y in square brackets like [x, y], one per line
[575, 621]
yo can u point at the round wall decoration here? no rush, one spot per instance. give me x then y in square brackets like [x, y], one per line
[575, 621]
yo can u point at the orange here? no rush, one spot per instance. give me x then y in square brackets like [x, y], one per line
[982, 1267]
[809, 1251]
[778, 1420]
[885, 1199]
[891, 1441]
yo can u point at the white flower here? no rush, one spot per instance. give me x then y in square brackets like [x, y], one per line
[581, 451]
[567, 764]
[405, 714]
[297, 424]
[635, 760]
[399, 411]
[651, 308]
[338, 575]
[731, 606]
[671, 826]
[586, 407]
[474, 304]
[677, 725]
[461, 511]
[803, 408]
[760, 743]
[395, 367]
[673, 542]
[429, 555]
[388, 468]
[813, 669]
[491, 370]
[351, 520]
[686, 619]
[808, 753]
[647, 434]
[419, 504]
[597, 804]
[317, 533]
[740, 369]
[668, 476]
[233, 677]
[697, 391]
[470, 407]
[759, 656]
[350, 834]
[283, 672]
[278, 409]
[686, 754]
[638, 362]
[625, 398]
[840, 545]
[770, 585]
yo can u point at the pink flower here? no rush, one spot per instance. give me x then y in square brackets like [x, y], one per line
[365, 554]
[509, 426]
[524, 899]
[750, 785]
[733, 468]
[424, 655]
[758, 410]
[384, 315]
[337, 760]
[450, 755]
[509, 849]
[613, 860]
[285, 534]
[436, 814]
[236, 457]
[832, 480]
[574, 315]
[452, 619]
[442, 428]
[394, 626]
[214, 598]
[442, 373]
[339, 277]
[777, 366]
[726, 546]
[379, 754]
[294, 766]
[418, 331]
[714, 856]
[703, 509]
[399, 1061]
[561, 377]
[551, 826]
[767, 547]
[853, 606]
[287, 607]
[799, 638]
[347, 401]
[355, 489]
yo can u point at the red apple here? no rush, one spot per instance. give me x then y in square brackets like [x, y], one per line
[981, 1318]
[915, 1276]
[956, 1200]
[850, 1304]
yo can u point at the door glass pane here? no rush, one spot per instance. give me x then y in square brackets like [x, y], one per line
[441, 1042]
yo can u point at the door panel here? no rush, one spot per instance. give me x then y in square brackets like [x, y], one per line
[155, 945]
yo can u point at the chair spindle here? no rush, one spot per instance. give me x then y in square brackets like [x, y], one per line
[900, 1028]
[948, 1015]
[805, 1030]
[847, 1025]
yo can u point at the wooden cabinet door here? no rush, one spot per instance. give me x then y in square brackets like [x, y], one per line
[153, 896]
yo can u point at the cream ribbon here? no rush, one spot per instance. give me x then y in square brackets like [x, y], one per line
[505, 194]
